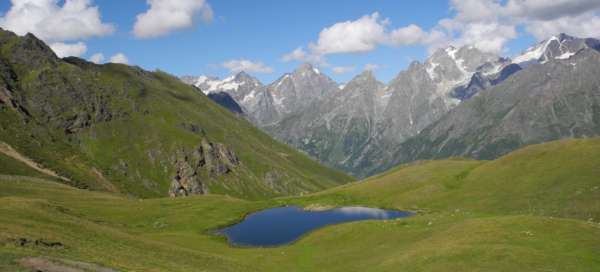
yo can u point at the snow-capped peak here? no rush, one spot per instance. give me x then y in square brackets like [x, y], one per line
[560, 47]
[230, 84]
[534, 53]
[451, 51]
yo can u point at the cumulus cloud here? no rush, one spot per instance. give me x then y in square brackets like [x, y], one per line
[486, 24]
[165, 16]
[361, 35]
[548, 10]
[68, 49]
[97, 58]
[486, 36]
[342, 69]
[411, 34]
[119, 58]
[298, 54]
[74, 20]
[56, 24]
[586, 25]
[239, 65]
[490, 24]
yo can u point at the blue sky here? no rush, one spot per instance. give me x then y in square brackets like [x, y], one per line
[263, 31]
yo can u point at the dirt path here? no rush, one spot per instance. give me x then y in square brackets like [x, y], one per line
[11, 152]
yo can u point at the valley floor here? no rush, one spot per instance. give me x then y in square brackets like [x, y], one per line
[536, 209]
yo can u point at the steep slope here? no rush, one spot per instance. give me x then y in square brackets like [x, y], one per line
[421, 95]
[225, 100]
[557, 47]
[531, 210]
[344, 132]
[339, 129]
[120, 128]
[354, 129]
[248, 92]
[297, 91]
[546, 101]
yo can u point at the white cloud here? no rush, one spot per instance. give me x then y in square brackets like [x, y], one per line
[119, 58]
[74, 20]
[297, 55]
[587, 25]
[548, 10]
[57, 24]
[342, 69]
[486, 36]
[486, 24]
[475, 10]
[97, 58]
[68, 49]
[358, 36]
[409, 35]
[371, 67]
[239, 65]
[490, 24]
[165, 16]
[361, 35]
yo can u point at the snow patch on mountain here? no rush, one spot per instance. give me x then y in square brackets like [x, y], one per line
[533, 53]
[560, 47]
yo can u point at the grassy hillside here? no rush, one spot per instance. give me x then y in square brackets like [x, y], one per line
[118, 128]
[536, 209]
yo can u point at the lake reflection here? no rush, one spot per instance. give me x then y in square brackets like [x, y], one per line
[283, 225]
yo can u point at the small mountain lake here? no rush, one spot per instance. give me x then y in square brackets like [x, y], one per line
[283, 225]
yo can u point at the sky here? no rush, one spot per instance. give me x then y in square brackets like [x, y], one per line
[268, 38]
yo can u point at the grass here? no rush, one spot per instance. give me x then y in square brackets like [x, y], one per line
[119, 128]
[532, 210]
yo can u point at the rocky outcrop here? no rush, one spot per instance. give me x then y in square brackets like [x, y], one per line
[196, 168]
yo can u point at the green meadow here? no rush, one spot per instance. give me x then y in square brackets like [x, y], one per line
[536, 209]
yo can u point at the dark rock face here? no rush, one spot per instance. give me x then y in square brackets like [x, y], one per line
[206, 162]
[225, 100]
[481, 81]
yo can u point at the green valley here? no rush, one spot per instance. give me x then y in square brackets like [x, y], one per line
[531, 210]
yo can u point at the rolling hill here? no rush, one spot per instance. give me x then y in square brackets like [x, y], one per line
[535, 209]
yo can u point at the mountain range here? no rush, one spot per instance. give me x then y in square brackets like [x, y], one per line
[458, 102]
[119, 128]
[102, 165]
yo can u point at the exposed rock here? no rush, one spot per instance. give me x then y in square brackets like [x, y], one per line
[187, 181]
[196, 168]
[543, 102]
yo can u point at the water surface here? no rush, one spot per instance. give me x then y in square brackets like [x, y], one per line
[283, 225]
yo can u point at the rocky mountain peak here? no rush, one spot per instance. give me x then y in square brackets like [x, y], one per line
[307, 69]
[28, 49]
[557, 47]
[366, 78]
[243, 76]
